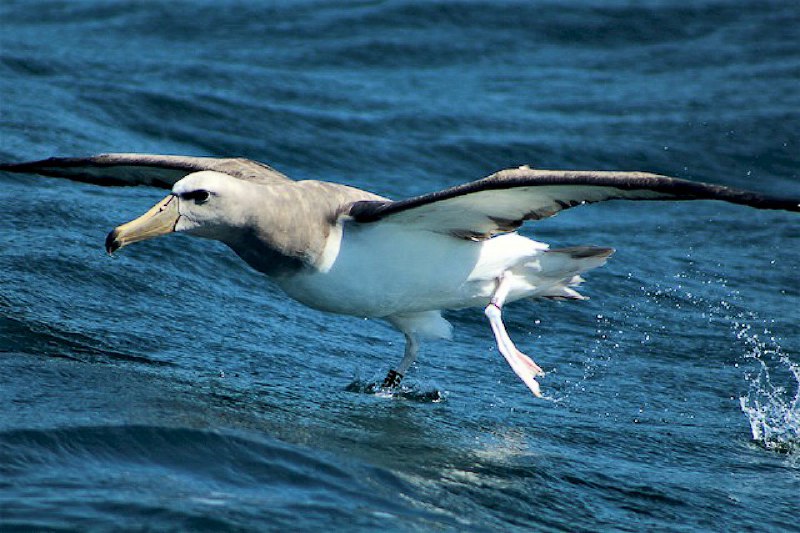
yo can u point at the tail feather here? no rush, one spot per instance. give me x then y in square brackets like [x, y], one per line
[576, 259]
[584, 252]
[564, 294]
[564, 266]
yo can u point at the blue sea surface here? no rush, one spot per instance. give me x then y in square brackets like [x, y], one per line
[172, 388]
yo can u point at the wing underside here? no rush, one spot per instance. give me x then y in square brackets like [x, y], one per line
[505, 200]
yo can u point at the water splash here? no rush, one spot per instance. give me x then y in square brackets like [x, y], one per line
[404, 391]
[772, 403]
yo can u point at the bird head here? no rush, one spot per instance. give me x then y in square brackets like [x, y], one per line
[200, 204]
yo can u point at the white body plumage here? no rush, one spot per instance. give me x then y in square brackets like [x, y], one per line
[390, 269]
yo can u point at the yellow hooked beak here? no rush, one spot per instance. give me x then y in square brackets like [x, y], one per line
[159, 220]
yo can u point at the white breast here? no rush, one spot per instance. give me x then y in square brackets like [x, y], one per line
[377, 270]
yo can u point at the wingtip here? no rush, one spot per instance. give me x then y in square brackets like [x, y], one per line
[37, 165]
[10, 167]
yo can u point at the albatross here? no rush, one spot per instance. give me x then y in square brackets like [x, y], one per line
[344, 250]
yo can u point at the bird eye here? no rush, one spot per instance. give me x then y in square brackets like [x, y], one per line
[199, 196]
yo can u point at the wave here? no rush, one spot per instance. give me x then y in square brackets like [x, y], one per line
[190, 478]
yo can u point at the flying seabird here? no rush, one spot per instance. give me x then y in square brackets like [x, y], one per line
[343, 250]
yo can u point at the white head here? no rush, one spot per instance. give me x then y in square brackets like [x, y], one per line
[206, 204]
[209, 204]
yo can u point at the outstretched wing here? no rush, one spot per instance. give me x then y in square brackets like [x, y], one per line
[143, 169]
[506, 199]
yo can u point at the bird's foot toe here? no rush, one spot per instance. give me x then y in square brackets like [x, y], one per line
[392, 380]
[535, 369]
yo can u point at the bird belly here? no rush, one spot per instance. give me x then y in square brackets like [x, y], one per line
[386, 269]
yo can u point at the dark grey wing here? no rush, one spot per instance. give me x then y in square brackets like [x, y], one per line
[503, 201]
[143, 169]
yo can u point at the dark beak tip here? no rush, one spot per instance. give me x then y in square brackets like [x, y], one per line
[112, 245]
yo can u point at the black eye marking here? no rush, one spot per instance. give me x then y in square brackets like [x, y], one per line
[199, 196]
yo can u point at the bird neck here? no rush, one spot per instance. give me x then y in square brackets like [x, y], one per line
[264, 256]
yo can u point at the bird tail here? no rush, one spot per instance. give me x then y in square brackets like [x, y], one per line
[564, 266]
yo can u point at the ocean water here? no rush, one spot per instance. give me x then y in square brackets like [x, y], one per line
[172, 388]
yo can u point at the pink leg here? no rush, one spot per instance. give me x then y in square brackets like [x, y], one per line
[521, 364]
